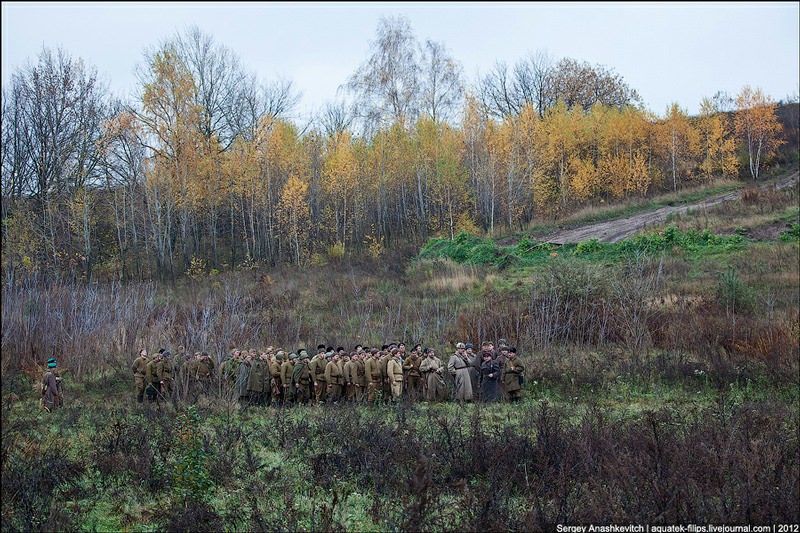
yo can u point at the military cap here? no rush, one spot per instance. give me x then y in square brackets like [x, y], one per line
[51, 363]
[303, 353]
[460, 345]
[292, 355]
[279, 356]
[469, 345]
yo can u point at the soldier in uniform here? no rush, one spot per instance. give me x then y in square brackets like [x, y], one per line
[317, 367]
[153, 381]
[202, 372]
[413, 375]
[360, 377]
[386, 387]
[51, 387]
[372, 369]
[458, 366]
[474, 369]
[258, 381]
[349, 376]
[139, 368]
[275, 378]
[333, 377]
[490, 376]
[181, 358]
[431, 368]
[501, 356]
[513, 376]
[241, 387]
[301, 379]
[166, 373]
[394, 374]
[287, 369]
[228, 371]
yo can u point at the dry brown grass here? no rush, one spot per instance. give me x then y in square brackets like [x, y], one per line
[451, 277]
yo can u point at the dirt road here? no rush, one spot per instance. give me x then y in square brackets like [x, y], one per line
[621, 228]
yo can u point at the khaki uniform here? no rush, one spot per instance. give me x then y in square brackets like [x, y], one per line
[372, 369]
[360, 380]
[275, 381]
[394, 374]
[257, 388]
[243, 372]
[435, 388]
[335, 379]
[317, 367]
[51, 393]
[413, 377]
[386, 387]
[201, 372]
[301, 377]
[349, 372]
[165, 372]
[287, 369]
[153, 382]
[139, 368]
[512, 377]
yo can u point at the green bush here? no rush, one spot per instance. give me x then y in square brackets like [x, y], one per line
[588, 247]
[791, 235]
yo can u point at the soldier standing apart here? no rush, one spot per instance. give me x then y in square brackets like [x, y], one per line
[513, 376]
[51, 387]
[394, 373]
[139, 368]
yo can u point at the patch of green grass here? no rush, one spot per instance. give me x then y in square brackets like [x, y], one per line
[473, 250]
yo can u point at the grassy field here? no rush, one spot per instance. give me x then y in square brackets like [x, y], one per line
[661, 387]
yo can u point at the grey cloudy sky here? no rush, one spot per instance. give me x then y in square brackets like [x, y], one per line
[668, 52]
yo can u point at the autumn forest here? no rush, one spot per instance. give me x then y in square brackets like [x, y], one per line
[205, 170]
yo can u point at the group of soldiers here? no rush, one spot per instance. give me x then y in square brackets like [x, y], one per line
[390, 374]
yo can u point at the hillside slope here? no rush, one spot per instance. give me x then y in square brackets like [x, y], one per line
[621, 228]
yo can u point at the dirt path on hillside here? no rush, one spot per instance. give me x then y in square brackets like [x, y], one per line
[621, 228]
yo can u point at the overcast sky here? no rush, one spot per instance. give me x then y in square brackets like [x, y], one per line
[668, 52]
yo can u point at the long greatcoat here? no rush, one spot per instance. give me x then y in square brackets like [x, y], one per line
[435, 388]
[490, 377]
[458, 367]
